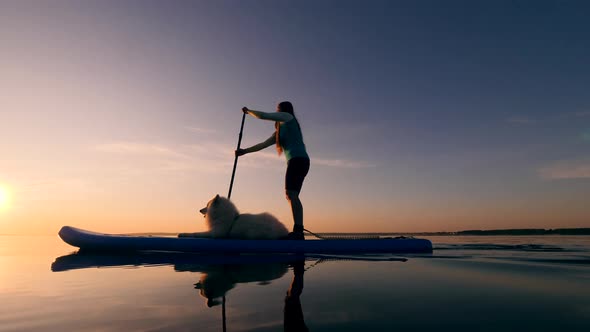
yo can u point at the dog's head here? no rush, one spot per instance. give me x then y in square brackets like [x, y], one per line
[214, 285]
[215, 200]
[219, 208]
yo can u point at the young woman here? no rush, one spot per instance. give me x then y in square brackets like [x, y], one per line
[288, 139]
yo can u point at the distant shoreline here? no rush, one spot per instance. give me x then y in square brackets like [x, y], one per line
[515, 232]
[477, 232]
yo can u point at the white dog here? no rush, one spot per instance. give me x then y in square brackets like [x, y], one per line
[225, 222]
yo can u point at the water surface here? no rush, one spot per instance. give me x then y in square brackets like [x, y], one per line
[483, 283]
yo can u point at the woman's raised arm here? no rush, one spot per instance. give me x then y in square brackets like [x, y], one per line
[274, 116]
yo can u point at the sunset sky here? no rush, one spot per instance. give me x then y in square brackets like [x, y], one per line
[122, 116]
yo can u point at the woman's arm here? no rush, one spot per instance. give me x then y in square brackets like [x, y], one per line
[269, 141]
[274, 116]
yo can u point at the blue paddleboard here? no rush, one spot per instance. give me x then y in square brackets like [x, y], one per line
[88, 240]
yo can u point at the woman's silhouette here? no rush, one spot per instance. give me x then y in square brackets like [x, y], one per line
[288, 140]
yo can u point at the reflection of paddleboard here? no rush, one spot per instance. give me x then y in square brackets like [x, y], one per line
[108, 242]
[191, 262]
[182, 262]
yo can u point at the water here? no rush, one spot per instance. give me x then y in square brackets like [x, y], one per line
[468, 283]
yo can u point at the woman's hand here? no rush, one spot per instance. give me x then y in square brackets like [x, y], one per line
[240, 152]
[245, 110]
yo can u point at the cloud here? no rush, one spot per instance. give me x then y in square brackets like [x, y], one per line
[130, 148]
[582, 114]
[267, 157]
[567, 169]
[208, 157]
[571, 115]
[53, 188]
[529, 120]
[205, 156]
[341, 163]
[200, 130]
[522, 120]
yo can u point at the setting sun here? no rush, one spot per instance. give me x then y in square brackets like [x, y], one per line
[4, 197]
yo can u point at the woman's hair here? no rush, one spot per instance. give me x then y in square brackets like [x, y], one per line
[286, 107]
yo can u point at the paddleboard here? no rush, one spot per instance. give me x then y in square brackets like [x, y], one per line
[93, 241]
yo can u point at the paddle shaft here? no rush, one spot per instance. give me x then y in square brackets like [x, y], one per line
[233, 173]
[223, 314]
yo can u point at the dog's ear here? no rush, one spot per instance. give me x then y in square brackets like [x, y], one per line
[216, 199]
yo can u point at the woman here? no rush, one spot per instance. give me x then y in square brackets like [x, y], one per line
[288, 139]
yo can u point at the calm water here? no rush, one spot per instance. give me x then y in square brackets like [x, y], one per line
[468, 283]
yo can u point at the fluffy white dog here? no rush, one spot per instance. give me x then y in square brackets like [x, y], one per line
[225, 222]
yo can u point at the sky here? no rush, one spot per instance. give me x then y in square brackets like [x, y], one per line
[122, 116]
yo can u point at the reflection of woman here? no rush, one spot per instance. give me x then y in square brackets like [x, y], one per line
[288, 139]
[293, 318]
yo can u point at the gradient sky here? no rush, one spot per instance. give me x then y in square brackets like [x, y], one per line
[122, 116]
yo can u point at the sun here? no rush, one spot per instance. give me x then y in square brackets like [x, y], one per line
[4, 198]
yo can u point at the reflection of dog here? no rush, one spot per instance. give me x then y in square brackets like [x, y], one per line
[215, 283]
[224, 221]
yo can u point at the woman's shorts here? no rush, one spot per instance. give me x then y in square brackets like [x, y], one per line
[297, 169]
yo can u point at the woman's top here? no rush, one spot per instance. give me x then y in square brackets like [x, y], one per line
[291, 140]
[290, 137]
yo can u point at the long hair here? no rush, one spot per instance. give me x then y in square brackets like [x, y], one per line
[286, 107]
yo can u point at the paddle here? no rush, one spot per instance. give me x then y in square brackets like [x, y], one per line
[233, 173]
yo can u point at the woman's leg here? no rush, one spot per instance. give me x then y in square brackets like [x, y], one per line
[296, 209]
[296, 171]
